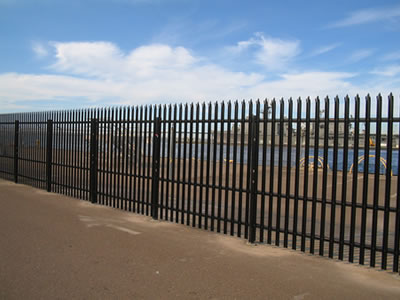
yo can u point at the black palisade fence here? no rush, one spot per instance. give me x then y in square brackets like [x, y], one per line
[319, 176]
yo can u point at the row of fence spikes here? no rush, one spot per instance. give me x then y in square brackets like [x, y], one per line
[157, 107]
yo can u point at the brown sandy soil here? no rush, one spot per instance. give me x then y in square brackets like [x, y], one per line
[119, 187]
[53, 246]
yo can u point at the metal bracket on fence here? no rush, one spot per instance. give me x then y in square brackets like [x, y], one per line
[156, 169]
[49, 154]
[16, 139]
[94, 146]
[254, 176]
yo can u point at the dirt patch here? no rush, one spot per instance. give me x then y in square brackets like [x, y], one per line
[238, 245]
[369, 277]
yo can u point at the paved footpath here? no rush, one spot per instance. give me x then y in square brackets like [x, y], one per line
[55, 247]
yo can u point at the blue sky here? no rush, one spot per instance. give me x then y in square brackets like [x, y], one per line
[72, 54]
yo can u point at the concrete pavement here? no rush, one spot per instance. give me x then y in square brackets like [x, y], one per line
[55, 247]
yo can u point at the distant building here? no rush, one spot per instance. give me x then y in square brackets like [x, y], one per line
[312, 134]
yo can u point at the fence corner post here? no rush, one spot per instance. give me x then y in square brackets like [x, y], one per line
[254, 176]
[49, 153]
[94, 147]
[156, 168]
[16, 140]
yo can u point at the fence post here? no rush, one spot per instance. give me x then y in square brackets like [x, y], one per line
[16, 139]
[94, 146]
[49, 155]
[254, 129]
[156, 168]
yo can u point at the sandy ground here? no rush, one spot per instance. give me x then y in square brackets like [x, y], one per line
[53, 246]
[224, 205]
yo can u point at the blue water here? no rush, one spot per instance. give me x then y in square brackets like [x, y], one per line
[340, 155]
[31, 141]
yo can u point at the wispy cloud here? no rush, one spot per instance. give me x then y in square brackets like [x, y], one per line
[391, 56]
[185, 30]
[105, 60]
[101, 71]
[40, 50]
[359, 55]
[388, 71]
[274, 54]
[325, 49]
[369, 15]
[309, 83]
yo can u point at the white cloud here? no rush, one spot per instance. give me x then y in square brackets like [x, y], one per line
[325, 49]
[391, 56]
[106, 60]
[311, 84]
[273, 54]
[97, 59]
[359, 55]
[28, 87]
[389, 71]
[100, 72]
[40, 50]
[205, 83]
[368, 16]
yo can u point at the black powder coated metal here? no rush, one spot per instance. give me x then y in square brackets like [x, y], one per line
[355, 179]
[220, 143]
[288, 172]
[297, 176]
[388, 175]
[365, 180]
[254, 129]
[290, 178]
[306, 172]
[16, 142]
[241, 169]
[376, 182]
[280, 172]
[344, 177]
[49, 156]
[156, 169]
[94, 145]
[264, 169]
[396, 252]
[227, 165]
[332, 225]
[315, 175]
[271, 174]
[234, 167]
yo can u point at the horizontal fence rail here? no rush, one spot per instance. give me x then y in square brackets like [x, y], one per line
[318, 176]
